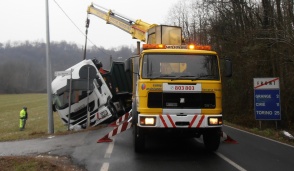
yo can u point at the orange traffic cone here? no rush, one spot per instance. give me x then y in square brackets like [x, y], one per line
[227, 138]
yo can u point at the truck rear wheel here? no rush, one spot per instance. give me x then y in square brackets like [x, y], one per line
[211, 138]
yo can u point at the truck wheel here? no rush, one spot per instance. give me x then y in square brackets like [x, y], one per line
[134, 114]
[211, 138]
[139, 139]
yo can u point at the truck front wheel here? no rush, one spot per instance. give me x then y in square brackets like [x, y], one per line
[211, 138]
[138, 134]
[139, 139]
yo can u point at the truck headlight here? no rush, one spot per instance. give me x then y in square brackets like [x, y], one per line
[215, 120]
[149, 121]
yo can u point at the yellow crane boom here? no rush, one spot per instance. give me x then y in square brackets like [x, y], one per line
[137, 28]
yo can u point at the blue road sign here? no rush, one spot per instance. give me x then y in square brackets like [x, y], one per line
[267, 104]
[267, 99]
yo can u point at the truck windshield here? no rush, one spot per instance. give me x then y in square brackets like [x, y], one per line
[61, 101]
[178, 66]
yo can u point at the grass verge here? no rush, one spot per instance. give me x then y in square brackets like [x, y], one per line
[37, 123]
[36, 163]
[36, 127]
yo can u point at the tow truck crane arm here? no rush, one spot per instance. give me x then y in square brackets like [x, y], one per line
[137, 28]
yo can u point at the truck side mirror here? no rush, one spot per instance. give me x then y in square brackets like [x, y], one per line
[228, 68]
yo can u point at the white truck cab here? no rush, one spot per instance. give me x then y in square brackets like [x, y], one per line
[96, 100]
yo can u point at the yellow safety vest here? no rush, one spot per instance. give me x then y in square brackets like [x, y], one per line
[22, 113]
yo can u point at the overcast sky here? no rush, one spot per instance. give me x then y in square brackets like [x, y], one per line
[25, 20]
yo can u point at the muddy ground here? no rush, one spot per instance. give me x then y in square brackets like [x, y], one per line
[40, 162]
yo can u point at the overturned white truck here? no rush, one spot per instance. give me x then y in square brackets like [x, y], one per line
[104, 97]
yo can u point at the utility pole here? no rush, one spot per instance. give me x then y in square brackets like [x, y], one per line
[49, 77]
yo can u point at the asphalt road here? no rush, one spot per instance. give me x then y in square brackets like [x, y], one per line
[256, 153]
[165, 154]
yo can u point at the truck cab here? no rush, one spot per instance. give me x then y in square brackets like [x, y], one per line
[73, 111]
[178, 90]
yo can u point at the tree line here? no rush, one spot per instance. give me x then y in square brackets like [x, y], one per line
[23, 64]
[258, 36]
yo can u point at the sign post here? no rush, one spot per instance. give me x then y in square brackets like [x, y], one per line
[267, 99]
[48, 73]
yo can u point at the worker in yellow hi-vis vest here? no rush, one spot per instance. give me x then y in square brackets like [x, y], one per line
[23, 116]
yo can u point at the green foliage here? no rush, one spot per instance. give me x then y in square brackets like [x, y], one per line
[37, 123]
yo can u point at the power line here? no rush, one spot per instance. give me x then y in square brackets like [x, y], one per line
[76, 25]
[69, 17]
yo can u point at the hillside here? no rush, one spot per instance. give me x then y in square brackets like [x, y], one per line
[23, 64]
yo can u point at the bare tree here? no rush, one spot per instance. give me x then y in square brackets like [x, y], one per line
[257, 35]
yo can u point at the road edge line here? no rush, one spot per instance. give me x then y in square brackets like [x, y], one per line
[260, 136]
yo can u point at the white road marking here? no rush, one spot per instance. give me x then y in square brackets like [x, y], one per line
[109, 149]
[224, 158]
[107, 155]
[230, 162]
[104, 167]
